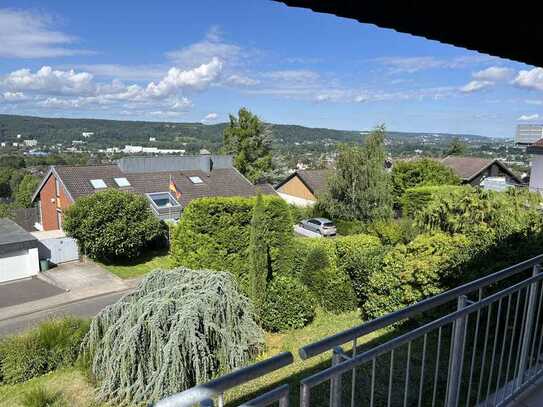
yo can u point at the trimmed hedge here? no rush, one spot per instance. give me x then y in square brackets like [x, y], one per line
[359, 256]
[412, 272]
[414, 200]
[214, 233]
[336, 269]
[393, 232]
[289, 305]
[51, 345]
[468, 235]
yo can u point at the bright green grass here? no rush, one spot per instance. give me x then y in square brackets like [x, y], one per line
[79, 392]
[149, 261]
[74, 385]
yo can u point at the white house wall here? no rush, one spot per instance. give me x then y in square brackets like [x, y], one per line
[536, 176]
[294, 200]
[19, 264]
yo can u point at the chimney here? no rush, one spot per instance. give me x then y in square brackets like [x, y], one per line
[206, 164]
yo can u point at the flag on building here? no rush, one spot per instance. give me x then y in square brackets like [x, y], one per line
[173, 188]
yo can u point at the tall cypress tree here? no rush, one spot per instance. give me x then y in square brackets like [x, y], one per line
[259, 255]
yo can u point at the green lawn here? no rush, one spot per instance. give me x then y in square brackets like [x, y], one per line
[79, 391]
[149, 261]
[74, 385]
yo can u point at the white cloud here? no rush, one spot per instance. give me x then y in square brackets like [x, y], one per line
[210, 117]
[534, 102]
[125, 72]
[49, 80]
[13, 96]
[31, 35]
[212, 46]
[294, 75]
[528, 117]
[416, 64]
[475, 86]
[532, 79]
[197, 78]
[494, 74]
[241, 80]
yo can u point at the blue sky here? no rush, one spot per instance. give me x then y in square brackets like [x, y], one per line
[201, 60]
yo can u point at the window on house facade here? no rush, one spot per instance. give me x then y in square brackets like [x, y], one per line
[98, 183]
[57, 187]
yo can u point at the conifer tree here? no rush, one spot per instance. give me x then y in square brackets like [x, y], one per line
[258, 254]
[249, 141]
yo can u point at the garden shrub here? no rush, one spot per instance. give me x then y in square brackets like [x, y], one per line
[414, 200]
[349, 227]
[318, 269]
[422, 172]
[289, 305]
[177, 329]
[43, 397]
[393, 232]
[359, 256]
[113, 224]
[425, 267]
[214, 233]
[51, 345]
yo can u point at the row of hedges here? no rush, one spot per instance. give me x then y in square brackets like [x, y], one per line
[214, 233]
[51, 345]
[416, 199]
[466, 236]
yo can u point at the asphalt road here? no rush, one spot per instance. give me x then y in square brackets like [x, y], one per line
[84, 308]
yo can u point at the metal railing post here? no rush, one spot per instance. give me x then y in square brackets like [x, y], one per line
[527, 335]
[335, 382]
[457, 355]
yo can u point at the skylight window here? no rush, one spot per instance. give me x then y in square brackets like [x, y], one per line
[196, 180]
[122, 182]
[98, 183]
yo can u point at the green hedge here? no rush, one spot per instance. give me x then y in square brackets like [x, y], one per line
[469, 233]
[412, 272]
[414, 200]
[214, 233]
[289, 305]
[336, 269]
[359, 256]
[51, 345]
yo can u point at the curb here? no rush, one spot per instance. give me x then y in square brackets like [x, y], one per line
[23, 314]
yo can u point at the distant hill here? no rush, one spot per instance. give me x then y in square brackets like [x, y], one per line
[118, 133]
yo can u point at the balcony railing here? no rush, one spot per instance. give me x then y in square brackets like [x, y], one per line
[479, 344]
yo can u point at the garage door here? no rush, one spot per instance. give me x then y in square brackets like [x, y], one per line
[16, 265]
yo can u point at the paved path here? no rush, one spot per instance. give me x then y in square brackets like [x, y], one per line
[22, 291]
[83, 308]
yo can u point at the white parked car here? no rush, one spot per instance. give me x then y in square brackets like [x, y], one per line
[323, 226]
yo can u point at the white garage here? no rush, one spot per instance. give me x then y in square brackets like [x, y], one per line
[18, 252]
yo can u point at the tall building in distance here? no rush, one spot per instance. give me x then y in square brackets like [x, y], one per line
[528, 133]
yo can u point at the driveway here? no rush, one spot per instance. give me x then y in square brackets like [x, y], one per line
[22, 291]
[84, 277]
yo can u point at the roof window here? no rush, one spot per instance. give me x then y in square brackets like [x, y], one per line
[98, 183]
[196, 180]
[122, 182]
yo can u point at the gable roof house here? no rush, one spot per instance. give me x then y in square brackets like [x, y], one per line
[302, 187]
[194, 177]
[474, 170]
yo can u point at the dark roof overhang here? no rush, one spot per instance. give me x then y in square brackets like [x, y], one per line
[500, 29]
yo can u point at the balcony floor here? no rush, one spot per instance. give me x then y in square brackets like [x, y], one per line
[533, 397]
